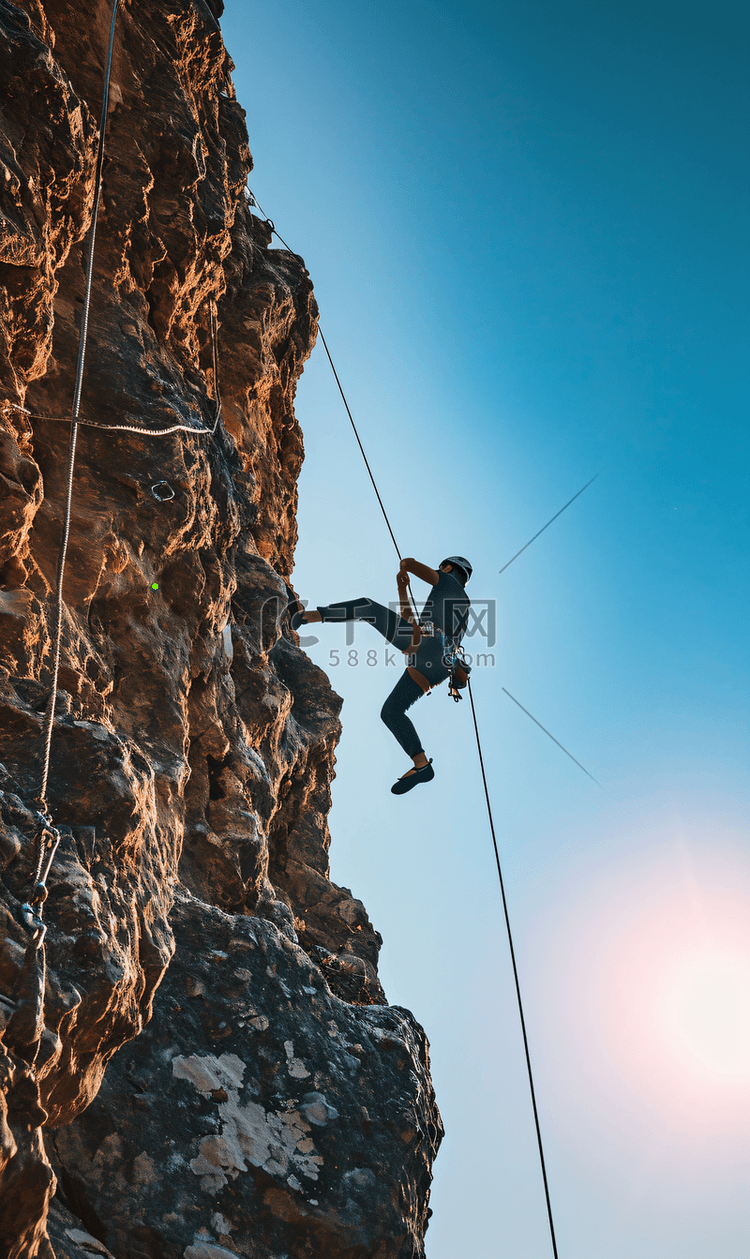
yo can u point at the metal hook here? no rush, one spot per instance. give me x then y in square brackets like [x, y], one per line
[33, 923]
[53, 844]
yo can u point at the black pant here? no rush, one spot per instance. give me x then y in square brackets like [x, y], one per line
[394, 628]
[405, 693]
[398, 631]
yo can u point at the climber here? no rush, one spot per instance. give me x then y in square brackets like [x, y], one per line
[430, 644]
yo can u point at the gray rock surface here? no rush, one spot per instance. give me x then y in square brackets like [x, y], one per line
[256, 1112]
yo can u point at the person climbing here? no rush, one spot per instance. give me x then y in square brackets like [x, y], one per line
[430, 644]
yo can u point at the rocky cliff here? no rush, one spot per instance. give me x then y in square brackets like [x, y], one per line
[198, 1059]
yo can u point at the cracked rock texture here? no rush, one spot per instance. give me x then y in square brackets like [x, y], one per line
[199, 1061]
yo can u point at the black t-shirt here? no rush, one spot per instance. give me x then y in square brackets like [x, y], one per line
[447, 607]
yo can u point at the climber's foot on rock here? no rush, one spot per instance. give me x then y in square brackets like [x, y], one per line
[294, 608]
[299, 615]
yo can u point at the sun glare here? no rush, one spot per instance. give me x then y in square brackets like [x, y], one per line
[709, 1010]
[649, 972]
[646, 972]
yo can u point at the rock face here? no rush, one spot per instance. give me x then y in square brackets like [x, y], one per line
[199, 1055]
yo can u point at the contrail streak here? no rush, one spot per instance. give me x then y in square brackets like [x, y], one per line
[549, 522]
[552, 737]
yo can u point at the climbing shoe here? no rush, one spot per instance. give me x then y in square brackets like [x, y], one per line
[423, 775]
[295, 609]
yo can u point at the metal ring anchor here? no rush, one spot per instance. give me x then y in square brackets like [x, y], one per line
[162, 492]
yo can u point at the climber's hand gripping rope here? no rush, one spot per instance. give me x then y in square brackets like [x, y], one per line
[406, 605]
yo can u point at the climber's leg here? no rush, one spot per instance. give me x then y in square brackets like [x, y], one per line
[405, 693]
[393, 713]
[394, 628]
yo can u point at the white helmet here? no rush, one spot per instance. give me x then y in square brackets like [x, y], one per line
[459, 562]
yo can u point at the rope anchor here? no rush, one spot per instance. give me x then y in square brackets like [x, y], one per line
[162, 492]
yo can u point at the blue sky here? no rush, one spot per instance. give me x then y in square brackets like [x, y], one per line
[526, 224]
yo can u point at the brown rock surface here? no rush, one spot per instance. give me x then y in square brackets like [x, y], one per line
[194, 744]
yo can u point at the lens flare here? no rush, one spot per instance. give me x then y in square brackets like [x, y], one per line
[709, 1010]
[644, 988]
[647, 983]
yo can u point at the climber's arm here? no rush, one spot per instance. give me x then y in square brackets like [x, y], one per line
[405, 608]
[430, 575]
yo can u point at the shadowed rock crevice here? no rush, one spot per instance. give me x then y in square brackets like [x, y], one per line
[202, 1041]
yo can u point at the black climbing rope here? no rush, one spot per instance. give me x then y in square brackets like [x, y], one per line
[253, 201]
[359, 442]
[516, 980]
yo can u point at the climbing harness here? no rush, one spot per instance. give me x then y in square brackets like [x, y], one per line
[452, 656]
[459, 672]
